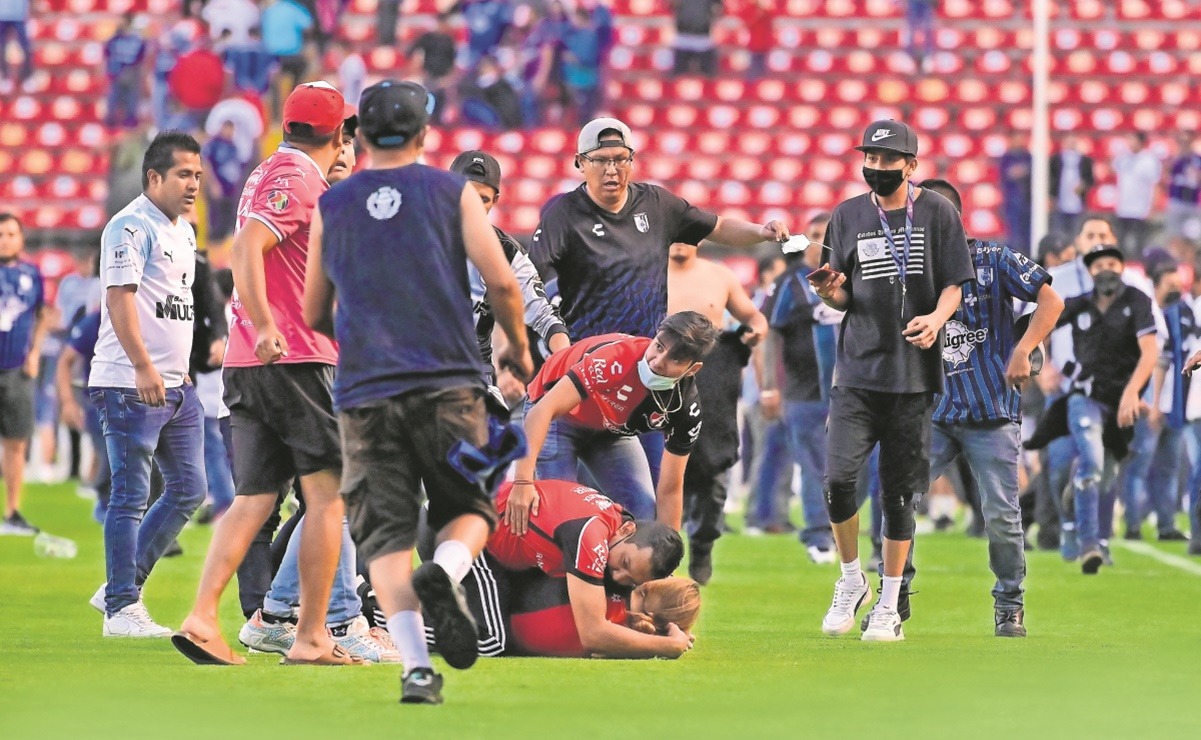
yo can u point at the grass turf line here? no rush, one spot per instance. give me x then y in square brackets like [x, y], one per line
[1116, 655]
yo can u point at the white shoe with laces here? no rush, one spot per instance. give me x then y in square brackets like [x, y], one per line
[134, 621]
[373, 645]
[97, 600]
[849, 596]
[267, 637]
[883, 625]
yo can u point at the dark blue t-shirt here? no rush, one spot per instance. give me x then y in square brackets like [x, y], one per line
[393, 248]
[123, 51]
[21, 295]
[487, 21]
[1184, 184]
[227, 167]
[252, 67]
[82, 337]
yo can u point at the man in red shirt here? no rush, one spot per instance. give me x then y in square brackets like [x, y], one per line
[591, 400]
[580, 534]
[278, 378]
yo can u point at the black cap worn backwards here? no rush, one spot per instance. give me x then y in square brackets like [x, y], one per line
[478, 167]
[889, 136]
[391, 113]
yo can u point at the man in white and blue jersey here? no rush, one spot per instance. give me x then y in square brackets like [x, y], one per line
[978, 413]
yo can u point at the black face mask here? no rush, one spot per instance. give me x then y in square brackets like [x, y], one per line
[883, 182]
[1107, 282]
[1172, 297]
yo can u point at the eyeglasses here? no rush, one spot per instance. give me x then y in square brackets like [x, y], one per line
[604, 163]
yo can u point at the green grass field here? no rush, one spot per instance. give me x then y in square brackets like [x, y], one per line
[1118, 655]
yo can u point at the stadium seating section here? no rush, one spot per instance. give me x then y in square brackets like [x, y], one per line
[763, 149]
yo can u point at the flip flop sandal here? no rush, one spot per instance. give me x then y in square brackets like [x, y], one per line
[193, 649]
[336, 656]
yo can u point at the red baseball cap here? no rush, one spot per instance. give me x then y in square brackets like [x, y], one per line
[318, 104]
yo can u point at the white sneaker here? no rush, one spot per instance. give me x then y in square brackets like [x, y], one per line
[373, 645]
[134, 621]
[267, 637]
[883, 625]
[753, 531]
[849, 596]
[821, 555]
[97, 600]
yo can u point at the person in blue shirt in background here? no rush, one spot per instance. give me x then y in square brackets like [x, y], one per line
[284, 24]
[14, 20]
[252, 65]
[227, 172]
[978, 413]
[123, 56]
[23, 325]
[1015, 167]
[583, 48]
[79, 349]
[487, 23]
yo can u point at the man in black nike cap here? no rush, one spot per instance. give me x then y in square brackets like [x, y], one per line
[898, 258]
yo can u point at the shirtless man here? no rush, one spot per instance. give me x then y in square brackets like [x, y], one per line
[709, 288]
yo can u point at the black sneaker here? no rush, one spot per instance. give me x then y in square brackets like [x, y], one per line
[421, 686]
[173, 550]
[700, 566]
[903, 609]
[1048, 540]
[1133, 535]
[1194, 547]
[1010, 622]
[1173, 535]
[1091, 562]
[455, 633]
[943, 523]
[17, 526]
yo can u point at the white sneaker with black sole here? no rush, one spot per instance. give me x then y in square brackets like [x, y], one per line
[883, 625]
[134, 621]
[849, 596]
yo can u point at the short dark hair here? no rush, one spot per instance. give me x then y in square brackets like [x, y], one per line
[303, 134]
[667, 547]
[160, 155]
[1095, 217]
[945, 189]
[5, 217]
[768, 262]
[691, 334]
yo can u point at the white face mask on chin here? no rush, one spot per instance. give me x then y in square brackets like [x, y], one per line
[654, 381]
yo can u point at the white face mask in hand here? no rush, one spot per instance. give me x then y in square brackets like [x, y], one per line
[654, 381]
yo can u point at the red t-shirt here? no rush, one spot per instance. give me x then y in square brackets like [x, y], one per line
[552, 631]
[569, 534]
[605, 371]
[758, 21]
[282, 193]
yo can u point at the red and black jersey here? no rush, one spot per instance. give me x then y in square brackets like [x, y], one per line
[605, 371]
[569, 534]
[542, 621]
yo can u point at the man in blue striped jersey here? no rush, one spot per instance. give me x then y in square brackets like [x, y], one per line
[977, 415]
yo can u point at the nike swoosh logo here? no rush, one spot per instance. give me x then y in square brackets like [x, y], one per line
[881, 134]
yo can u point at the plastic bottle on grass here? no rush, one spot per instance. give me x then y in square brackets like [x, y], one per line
[49, 546]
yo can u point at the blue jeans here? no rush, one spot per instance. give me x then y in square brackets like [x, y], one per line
[1149, 477]
[773, 461]
[1086, 422]
[1192, 439]
[137, 435]
[617, 464]
[992, 454]
[284, 596]
[124, 95]
[806, 425]
[216, 466]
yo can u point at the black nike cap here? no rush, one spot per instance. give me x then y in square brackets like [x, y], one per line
[889, 136]
[478, 167]
[391, 113]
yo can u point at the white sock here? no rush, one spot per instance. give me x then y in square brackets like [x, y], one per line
[408, 632]
[889, 591]
[455, 558]
[851, 571]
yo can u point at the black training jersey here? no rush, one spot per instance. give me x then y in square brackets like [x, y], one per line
[612, 267]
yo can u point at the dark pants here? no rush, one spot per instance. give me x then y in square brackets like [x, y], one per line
[900, 424]
[387, 14]
[21, 31]
[222, 214]
[704, 62]
[1132, 235]
[124, 95]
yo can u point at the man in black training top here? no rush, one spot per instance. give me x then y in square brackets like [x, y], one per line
[898, 257]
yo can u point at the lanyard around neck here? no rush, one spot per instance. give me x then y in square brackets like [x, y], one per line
[901, 260]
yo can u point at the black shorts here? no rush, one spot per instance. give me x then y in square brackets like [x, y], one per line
[898, 422]
[283, 424]
[395, 447]
[16, 404]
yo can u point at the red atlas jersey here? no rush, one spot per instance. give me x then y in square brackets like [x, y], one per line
[605, 371]
[569, 534]
[552, 631]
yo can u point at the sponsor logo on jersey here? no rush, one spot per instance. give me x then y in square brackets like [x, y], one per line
[175, 309]
[384, 203]
[277, 200]
[960, 342]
